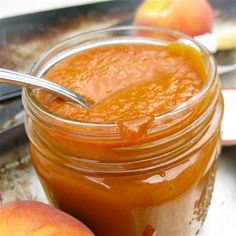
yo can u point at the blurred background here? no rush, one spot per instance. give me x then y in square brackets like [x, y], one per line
[28, 28]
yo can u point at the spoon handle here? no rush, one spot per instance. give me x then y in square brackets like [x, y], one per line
[23, 80]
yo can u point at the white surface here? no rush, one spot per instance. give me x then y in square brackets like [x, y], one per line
[10, 8]
[229, 120]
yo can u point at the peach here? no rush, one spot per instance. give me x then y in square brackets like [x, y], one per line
[192, 17]
[32, 218]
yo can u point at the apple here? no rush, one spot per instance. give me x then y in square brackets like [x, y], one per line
[192, 17]
[32, 218]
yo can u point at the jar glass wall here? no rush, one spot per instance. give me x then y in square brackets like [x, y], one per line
[160, 183]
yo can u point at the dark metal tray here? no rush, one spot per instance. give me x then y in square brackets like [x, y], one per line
[23, 38]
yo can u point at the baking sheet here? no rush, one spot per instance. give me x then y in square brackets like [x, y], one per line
[22, 40]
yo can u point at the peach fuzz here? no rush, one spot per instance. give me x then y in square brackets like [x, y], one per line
[32, 218]
[189, 17]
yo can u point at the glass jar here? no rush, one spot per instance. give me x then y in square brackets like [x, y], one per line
[160, 184]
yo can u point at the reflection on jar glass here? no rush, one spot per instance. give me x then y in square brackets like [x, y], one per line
[145, 176]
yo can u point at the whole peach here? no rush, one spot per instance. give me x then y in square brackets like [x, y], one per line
[32, 218]
[192, 17]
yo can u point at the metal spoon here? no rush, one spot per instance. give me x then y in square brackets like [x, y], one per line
[20, 79]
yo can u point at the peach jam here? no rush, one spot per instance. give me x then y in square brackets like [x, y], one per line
[142, 159]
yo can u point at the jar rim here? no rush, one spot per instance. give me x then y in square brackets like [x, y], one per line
[28, 92]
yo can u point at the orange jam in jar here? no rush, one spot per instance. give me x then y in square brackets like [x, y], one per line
[142, 159]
